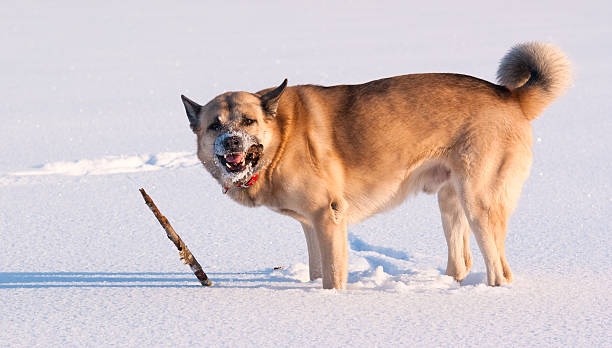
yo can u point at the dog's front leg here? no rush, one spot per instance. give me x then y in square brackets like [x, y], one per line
[330, 227]
[314, 253]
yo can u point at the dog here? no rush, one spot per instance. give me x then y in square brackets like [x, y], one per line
[332, 156]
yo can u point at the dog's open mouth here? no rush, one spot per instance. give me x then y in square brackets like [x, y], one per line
[235, 162]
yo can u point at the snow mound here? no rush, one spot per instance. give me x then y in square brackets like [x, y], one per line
[386, 269]
[115, 165]
[298, 271]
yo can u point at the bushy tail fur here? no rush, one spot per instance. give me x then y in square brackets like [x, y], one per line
[537, 72]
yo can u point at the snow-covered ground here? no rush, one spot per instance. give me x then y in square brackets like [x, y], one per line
[90, 112]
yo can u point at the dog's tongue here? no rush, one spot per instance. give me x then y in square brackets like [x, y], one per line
[235, 157]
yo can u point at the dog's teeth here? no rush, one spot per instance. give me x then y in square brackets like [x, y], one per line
[225, 156]
[228, 165]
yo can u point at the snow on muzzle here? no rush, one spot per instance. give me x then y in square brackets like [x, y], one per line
[237, 151]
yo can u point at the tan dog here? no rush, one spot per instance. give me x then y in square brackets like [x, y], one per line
[332, 156]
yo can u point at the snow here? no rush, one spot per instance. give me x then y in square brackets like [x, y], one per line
[91, 112]
[116, 164]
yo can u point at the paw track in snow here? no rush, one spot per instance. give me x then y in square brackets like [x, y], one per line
[385, 269]
[358, 244]
[382, 268]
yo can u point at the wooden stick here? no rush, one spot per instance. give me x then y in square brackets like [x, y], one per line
[184, 252]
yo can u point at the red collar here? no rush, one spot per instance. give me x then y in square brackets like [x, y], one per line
[247, 184]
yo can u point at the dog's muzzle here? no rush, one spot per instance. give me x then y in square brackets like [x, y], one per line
[237, 151]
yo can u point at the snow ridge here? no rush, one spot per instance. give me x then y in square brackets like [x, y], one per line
[115, 165]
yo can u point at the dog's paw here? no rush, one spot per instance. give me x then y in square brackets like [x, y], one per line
[458, 275]
[499, 277]
[315, 276]
[460, 269]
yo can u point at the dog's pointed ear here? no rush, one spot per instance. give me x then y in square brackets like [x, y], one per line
[193, 111]
[269, 101]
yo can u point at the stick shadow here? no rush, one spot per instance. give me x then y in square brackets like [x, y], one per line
[28, 280]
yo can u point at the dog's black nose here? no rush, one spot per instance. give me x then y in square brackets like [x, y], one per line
[233, 143]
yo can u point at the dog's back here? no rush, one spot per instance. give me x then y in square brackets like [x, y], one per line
[398, 123]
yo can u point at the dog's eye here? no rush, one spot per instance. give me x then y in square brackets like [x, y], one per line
[215, 126]
[248, 121]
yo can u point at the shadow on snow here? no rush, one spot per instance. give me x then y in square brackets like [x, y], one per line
[394, 263]
[24, 280]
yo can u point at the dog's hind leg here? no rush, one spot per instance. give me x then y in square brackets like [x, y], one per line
[457, 233]
[514, 170]
[314, 253]
[500, 242]
[486, 223]
[488, 200]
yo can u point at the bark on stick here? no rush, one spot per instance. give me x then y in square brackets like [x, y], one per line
[184, 252]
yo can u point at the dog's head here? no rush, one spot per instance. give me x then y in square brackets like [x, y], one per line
[236, 133]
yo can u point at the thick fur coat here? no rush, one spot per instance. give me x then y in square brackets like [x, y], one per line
[332, 156]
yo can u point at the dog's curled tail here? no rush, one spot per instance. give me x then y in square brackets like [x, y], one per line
[537, 72]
